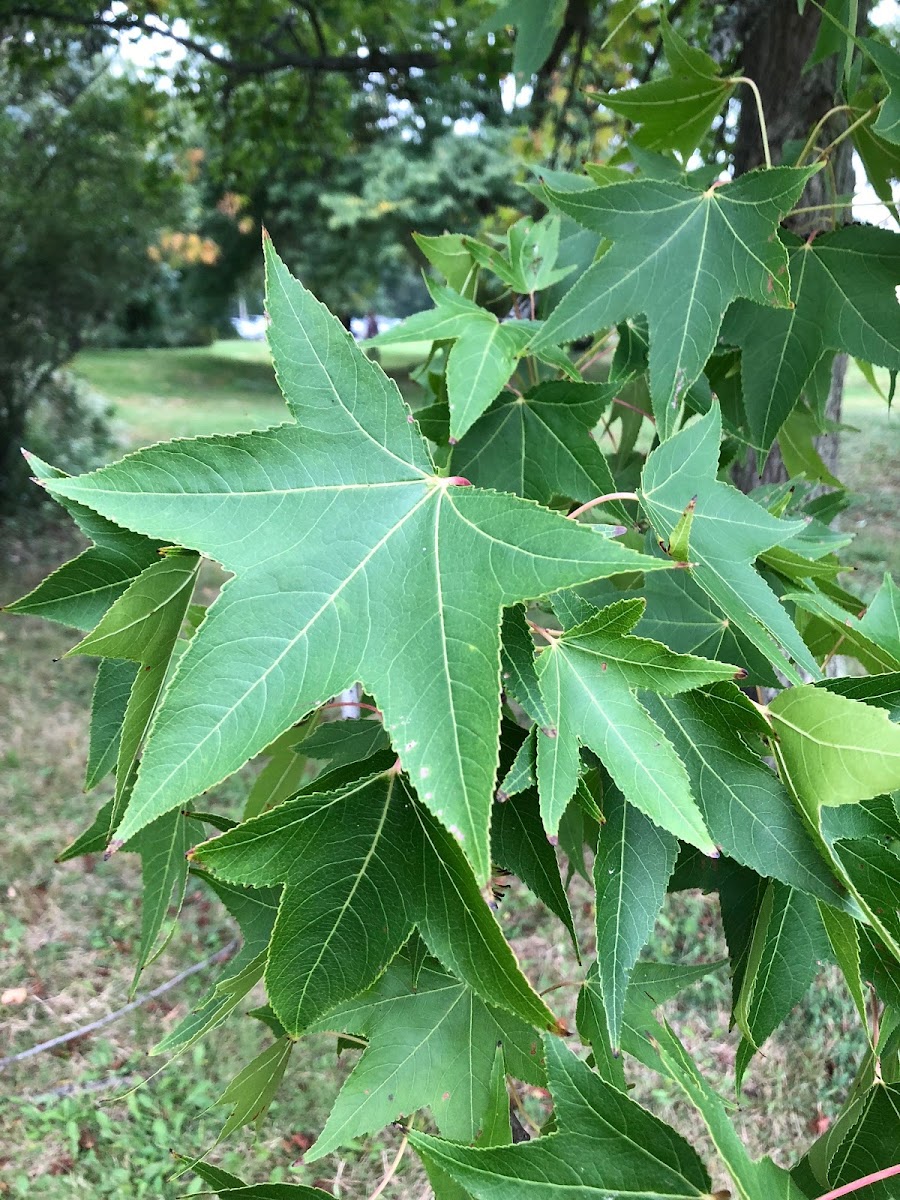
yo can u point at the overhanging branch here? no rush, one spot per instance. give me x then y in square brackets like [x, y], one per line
[376, 61]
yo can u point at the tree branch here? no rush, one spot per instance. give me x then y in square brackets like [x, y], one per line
[376, 61]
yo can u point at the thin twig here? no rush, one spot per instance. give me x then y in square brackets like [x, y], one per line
[551, 635]
[846, 133]
[817, 129]
[833, 651]
[875, 1177]
[592, 350]
[523, 1115]
[80, 1089]
[634, 408]
[352, 704]
[563, 983]
[602, 500]
[219, 956]
[392, 1169]
[764, 133]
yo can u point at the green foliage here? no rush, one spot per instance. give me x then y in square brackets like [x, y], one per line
[85, 190]
[710, 247]
[539, 673]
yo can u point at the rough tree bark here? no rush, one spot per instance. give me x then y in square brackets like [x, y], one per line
[775, 42]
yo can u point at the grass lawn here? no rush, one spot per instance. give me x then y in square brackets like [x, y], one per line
[68, 933]
[224, 388]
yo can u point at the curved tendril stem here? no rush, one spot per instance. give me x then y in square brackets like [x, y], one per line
[759, 110]
[392, 1169]
[551, 635]
[875, 1177]
[855, 125]
[602, 500]
[351, 704]
[817, 129]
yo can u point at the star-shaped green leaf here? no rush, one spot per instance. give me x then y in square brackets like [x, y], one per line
[353, 561]
[843, 285]
[588, 677]
[531, 252]
[728, 532]
[343, 916]
[431, 1044]
[680, 257]
[606, 1148]
[539, 445]
[674, 112]
[483, 356]
[361, 866]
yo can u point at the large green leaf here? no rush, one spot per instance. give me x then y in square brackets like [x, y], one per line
[843, 288]
[588, 677]
[355, 561]
[744, 804]
[606, 1148]
[835, 749]
[343, 915]
[632, 867]
[709, 247]
[361, 866]
[728, 532]
[539, 445]
[788, 942]
[432, 1045]
[674, 112]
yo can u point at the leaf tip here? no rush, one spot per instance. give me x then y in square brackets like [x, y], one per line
[115, 845]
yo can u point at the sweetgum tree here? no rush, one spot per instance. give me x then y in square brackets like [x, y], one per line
[571, 631]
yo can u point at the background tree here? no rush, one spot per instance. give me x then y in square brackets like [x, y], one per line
[85, 189]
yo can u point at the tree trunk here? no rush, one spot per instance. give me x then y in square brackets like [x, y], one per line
[776, 41]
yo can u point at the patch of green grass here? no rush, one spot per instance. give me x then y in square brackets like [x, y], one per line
[228, 387]
[869, 463]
